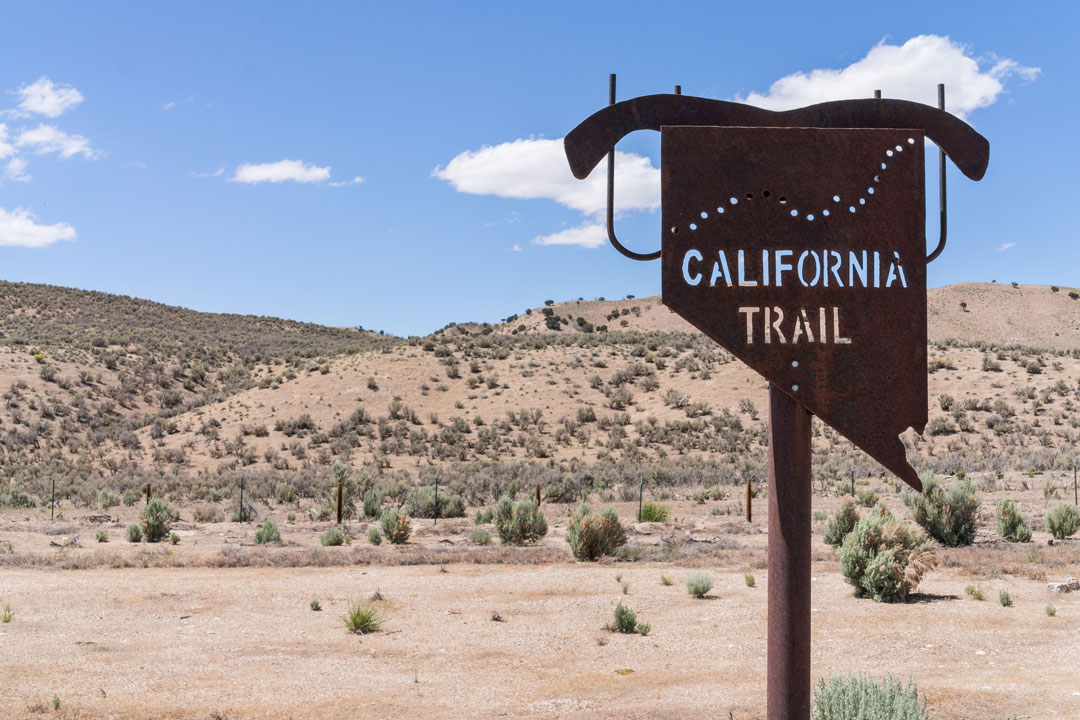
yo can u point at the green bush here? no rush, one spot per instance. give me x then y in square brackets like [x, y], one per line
[174, 539]
[1063, 521]
[101, 536]
[480, 537]
[699, 584]
[156, 519]
[883, 558]
[1011, 525]
[625, 620]
[108, 499]
[484, 516]
[134, 533]
[372, 504]
[333, 537]
[18, 498]
[868, 498]
[315, 605]
[396, 526]
[842, 523]
[948, 516]
[653, 512]
[519, 523]
[284, 493]
[421, 503]
[374, 536]
[267, 533]
[130, 497]
[362, 619]
[593, 536]
[1005, 598]
[860, 698]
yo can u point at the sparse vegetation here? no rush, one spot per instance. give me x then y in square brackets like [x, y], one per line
[653, 512]
[332, 537]
[315, 605]
[396, 526]
[842, 523]
[883, 558]
[1011, 525]
[362, 618]
[948, 516]
[156, 519]
[861, 698]
[519, 523]
[699, 584]
[625, 621]
[1063, 521]
[1004, 598]
[134, 533]
[267, 533]
[101, 536]
[374, 536]
[594, 536]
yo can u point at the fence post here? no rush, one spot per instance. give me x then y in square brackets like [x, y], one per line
[242, 513]
[749, 496]
[52, 496]
[436, 498]
[147, 493]
[340, 492]
[640, 495]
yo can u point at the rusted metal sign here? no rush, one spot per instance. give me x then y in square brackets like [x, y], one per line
[796, 240]
[801, 251]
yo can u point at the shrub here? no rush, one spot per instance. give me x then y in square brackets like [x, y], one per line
[948, 516]
[207, 514]
[883, 559]
[868, 498]
[372, 504]
[1005, 598]
[134, 533]
[1063, 521]
[174, 539]
[625, 620]
[291, 518]
[699, 584]
[374, 537]
[156, 519]
[421, 504]
[860, 698]
[267, 533]
[750, 580]
[480, 537]
[1051, 611]
[108, 499]
[1011, 525]
[519, 523]
[101, 536]
[593, 536]
[842, 523]
[333, 537]
[18, 498]
[653, 512]
[315, 605]
[665, 580]
[130, 497]
[362, 619]
[396, 526]
[484, 516]
[7, 615]
[284, 493]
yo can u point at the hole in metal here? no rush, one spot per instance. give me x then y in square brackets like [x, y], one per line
[734, 201]
[795, 388]
[810, 218]
[794, 363]
[693, 226]
[704, 215]
[794, 212]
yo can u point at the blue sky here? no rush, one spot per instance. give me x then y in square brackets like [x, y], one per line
[327, 162]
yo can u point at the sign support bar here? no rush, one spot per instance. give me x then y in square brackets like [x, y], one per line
[789, 559]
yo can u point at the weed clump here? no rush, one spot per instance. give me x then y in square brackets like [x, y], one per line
[883, 559]
[593, 536]
[156, 519]
[134, 533]
[362, 619]
[374, 536]
[101, 536]
[861, 698]
[332, 537]
[396, 526]
[1011, 525]
[653, 512]
[625, 621]
[948, 516]
[842, 523]
[480, 537]
[519, 523]
[699, 584]
[315, 605]
[267, 533]
[1063, 521]
[1005, 598]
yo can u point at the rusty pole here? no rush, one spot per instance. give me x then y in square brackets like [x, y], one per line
[749, 496]
[789, 559]
[148, 493]
[340, 493]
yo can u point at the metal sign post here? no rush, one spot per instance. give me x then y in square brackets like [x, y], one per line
[796, 240]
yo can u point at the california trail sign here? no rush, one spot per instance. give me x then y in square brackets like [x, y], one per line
[796, 240]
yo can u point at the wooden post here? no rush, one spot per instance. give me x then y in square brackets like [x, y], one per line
[242, 513]
[147, 493]
[788, 680]
[537, 496]
[749, 496]
[436, 498]
[1074, 483]
[52, 498]
[640, 495]
[340, 492]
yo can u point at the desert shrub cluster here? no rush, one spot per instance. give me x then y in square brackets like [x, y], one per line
[883, 558]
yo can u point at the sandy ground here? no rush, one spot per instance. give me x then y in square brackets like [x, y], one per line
[243, 643]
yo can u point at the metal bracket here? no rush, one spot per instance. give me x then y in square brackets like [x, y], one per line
[611, 191]
[943, 210]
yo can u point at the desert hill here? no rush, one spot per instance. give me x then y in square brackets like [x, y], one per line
[104, 391]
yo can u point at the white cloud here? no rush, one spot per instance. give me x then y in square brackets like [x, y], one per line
[280, 171]
[516, 248]
[537, 168]
[16, 170]
[589, 235]
[908, 72]
[6, 148]
[20, 228]
[46, 98]
[355, 181]
[216, 173]
[168, 106]
[48, 139]
[1004, 246]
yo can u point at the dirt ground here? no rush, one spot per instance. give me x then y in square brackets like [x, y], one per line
[213, 642]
